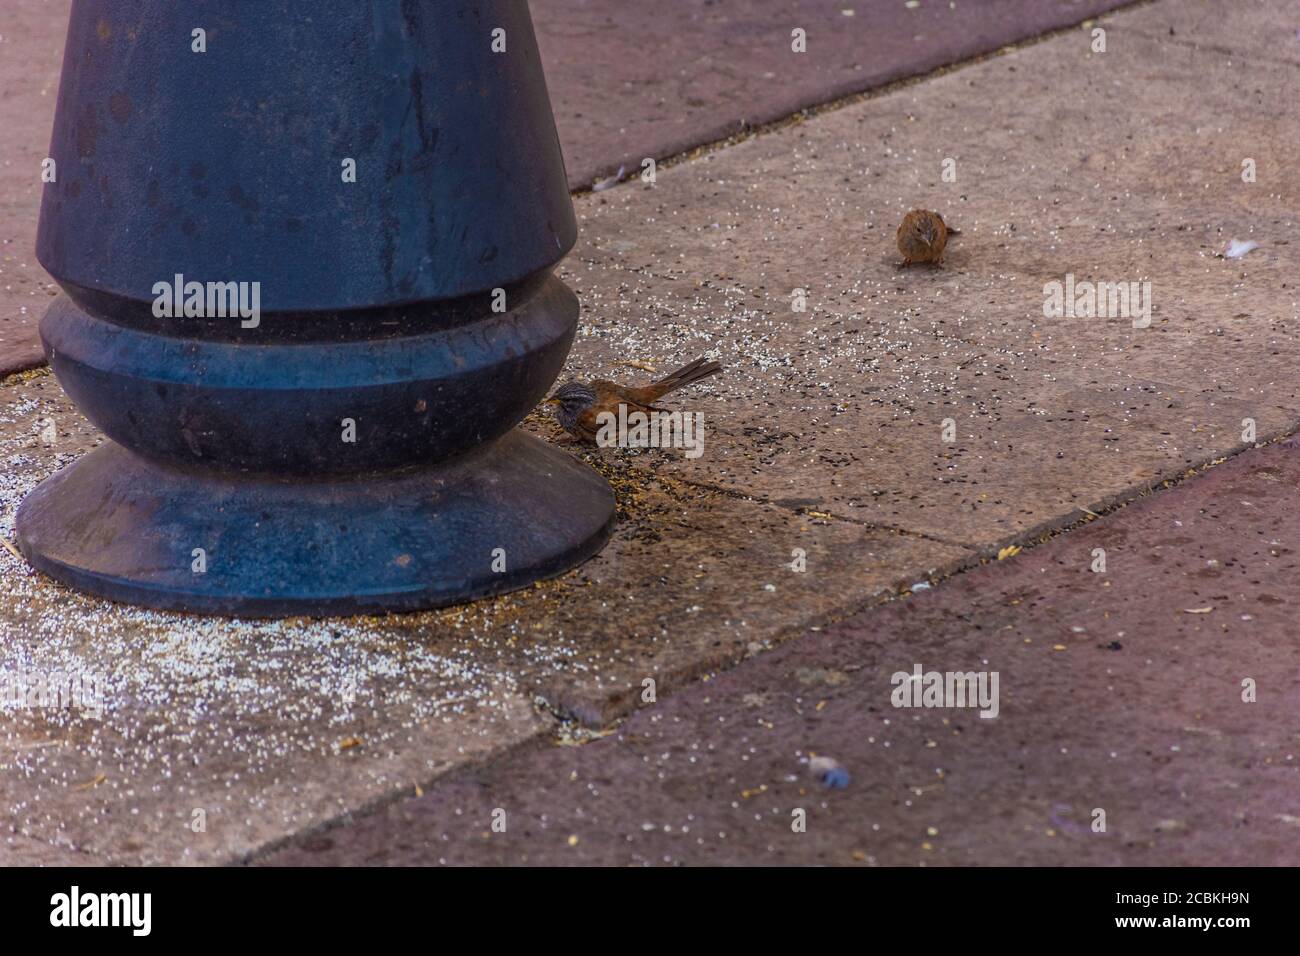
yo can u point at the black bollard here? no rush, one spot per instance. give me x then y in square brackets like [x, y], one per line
[306, 251]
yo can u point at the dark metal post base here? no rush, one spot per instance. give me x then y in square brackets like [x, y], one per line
[308, 310]
[228, 488]
[123, 528]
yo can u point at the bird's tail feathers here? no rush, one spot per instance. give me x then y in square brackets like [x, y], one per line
[687, 375]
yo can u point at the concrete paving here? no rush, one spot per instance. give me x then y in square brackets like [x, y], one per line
[628, 81]
[1119, 691]
[31, 56]
[637, 80]
[1126, 167]
[826, 435]
[259, 729]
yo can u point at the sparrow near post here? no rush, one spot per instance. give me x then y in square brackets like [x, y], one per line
[578, 405]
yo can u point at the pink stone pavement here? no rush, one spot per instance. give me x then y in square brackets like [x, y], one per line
[827, 436]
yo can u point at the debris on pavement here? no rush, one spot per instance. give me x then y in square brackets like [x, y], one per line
[829, 772]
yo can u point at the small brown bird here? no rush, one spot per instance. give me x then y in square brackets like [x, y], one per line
[923, 236]
[578, 405]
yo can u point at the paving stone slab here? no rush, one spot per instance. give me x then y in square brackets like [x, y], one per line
[627, 81]
[24, 851]
[1201, 25]
[1120, 691]
[632, 81]
[262, 729]
[1126, 167]
[31, 56]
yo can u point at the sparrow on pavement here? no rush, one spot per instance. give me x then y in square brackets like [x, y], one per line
[578, 405]
[923, 236]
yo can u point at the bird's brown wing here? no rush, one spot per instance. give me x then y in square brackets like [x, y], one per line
[940, 239]
[910, 245]
[609, 395]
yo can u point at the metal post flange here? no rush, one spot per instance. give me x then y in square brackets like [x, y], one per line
[386, 180]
